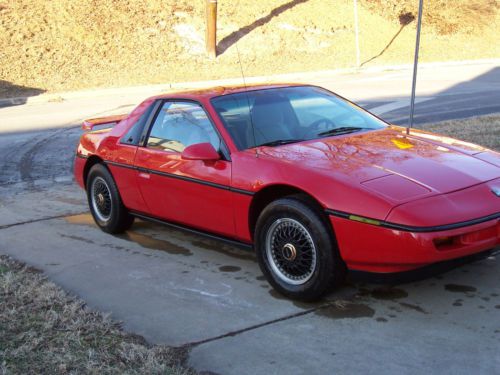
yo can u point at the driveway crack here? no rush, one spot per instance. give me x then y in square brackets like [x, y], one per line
[193, 344]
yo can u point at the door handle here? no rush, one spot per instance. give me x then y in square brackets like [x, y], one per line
[144, 173]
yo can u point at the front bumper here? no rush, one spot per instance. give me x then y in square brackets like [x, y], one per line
[374, 248]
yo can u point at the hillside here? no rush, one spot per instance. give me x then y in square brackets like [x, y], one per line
[60, 45]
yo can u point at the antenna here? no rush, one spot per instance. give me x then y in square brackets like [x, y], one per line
[415, 66]
[248, 101]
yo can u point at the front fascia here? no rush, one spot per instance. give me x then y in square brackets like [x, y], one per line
[374, 248]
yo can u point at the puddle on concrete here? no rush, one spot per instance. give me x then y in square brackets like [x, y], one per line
[164, 245]
[229, 269]
[458, 302]
[456, 288]
[385, 293]
[145, 241]
[322, 303]
[149, 242]
[222, 248]
[346, 311]
[381, 320]
[81, 219]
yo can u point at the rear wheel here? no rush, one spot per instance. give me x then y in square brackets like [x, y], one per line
[296, 249]
[105, 203]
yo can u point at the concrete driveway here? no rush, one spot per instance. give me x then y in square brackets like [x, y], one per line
[184, 290]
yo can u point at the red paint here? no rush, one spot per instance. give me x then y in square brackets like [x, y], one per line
[420, 179]
[200, 151]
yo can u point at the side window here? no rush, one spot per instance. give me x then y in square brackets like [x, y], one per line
[133, 136]
[181, 124]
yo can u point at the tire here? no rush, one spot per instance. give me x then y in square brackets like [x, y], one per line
[296, 249]
[105, 202]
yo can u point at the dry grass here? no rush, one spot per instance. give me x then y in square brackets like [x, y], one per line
[444, 16]
[61, 45]
[45, 331]
[482, 130]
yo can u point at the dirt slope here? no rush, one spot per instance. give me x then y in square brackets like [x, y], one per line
[59, 45]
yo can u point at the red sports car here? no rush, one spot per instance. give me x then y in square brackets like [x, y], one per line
[314, 183]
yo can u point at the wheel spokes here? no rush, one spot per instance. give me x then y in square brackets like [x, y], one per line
[101, 199]
[291, 251]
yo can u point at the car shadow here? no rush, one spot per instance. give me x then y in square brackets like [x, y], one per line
[17, 93]
[419, 274]
[474, 97]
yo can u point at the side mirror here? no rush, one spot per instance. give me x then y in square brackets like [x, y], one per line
[200, 151]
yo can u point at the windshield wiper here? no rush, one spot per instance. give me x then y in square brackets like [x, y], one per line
[280, 142]
[341, 130]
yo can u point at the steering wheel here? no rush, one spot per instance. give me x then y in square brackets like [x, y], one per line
[318, 126]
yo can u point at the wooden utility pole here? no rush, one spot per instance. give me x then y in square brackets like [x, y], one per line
[211, 35]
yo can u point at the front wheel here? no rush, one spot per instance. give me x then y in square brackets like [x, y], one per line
[105, 203]
[296, 249]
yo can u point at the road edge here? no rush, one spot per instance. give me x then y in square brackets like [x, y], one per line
[149, 90]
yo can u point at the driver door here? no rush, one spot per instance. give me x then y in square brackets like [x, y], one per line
[194, 193]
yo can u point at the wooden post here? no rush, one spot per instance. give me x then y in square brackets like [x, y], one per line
[211, 35]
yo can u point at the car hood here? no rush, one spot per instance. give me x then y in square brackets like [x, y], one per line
[419, 163]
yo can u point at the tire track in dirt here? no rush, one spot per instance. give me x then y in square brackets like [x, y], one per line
[46, 155]
[26, 164]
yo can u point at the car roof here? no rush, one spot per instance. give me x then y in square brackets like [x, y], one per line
[211, 92]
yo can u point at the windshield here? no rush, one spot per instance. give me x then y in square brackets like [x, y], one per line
[289, 114]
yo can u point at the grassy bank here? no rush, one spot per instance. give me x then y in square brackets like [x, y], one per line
[65, 45]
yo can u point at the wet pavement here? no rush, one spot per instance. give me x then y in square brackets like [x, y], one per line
[185, 290]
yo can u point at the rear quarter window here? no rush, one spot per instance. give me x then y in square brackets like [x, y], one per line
[133, 135]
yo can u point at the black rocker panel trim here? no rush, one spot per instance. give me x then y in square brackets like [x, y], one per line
[188, 229]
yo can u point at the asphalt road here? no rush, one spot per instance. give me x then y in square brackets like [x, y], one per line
[184, 290]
